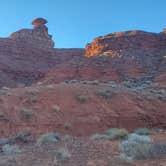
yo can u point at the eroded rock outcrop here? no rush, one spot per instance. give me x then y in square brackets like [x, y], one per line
[28, 53]
[38, 36]
[115, 44]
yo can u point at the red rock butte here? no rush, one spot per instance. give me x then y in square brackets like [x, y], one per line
[116, 44]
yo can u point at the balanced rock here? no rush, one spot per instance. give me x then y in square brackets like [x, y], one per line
[37, 37]
[39, 21]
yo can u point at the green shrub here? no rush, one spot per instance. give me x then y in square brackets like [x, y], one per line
[143, 131]
[10, 149]
[82, 99]
[23, 136]
[107, 94]
[67, 126]
[67, 138]
[3, 92]
[26, 114]
[32, 99]
[95, 82]
[47, 138]
[119, 161]
[63, 154]
[135, 151]
[116, 133]
[99, 137]
[139, 139]
[138, 147]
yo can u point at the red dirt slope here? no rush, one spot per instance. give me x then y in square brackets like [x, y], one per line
[80, 109]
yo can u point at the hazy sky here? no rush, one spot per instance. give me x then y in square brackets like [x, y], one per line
[73, 23]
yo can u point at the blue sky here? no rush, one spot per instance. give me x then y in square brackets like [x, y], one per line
[73, 23]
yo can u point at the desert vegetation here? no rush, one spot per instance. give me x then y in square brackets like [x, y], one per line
[129, 147]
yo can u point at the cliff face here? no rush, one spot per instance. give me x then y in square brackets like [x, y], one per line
[22, 63]
[27, 54]
[132, 53]
[116, 44]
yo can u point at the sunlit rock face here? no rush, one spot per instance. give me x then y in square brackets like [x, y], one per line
[131, 53]
[38, 36]
[116, 44]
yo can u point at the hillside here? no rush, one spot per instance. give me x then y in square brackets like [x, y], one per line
[102, 105]
[119, 82]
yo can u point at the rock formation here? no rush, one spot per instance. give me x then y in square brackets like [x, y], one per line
[27, 54]
[115, 44]
[38, 36]
[121, 77]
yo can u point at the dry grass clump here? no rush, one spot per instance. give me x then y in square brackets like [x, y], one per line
[62, 154]
[82, 98]
[106, 94]
[48, 138]
[56, 108]
[116, 133]
[26, 114]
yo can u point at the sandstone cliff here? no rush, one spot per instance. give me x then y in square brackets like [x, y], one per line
[29, 55]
